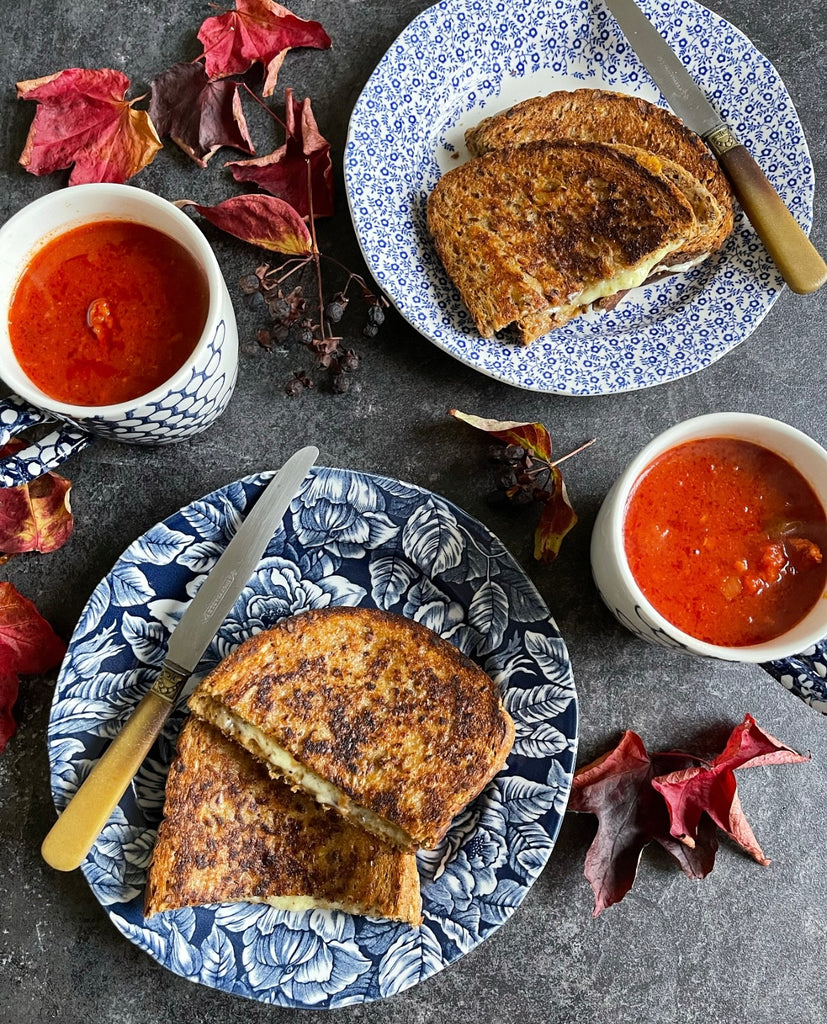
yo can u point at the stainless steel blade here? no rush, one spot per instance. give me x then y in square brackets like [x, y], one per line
[220, 590]
[682, 93]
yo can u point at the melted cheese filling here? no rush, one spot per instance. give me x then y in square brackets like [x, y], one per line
[298, 775]
[681, 268]
[624, 280]
[301, 903]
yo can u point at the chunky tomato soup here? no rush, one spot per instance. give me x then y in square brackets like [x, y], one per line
[107, 312]
[726, 540]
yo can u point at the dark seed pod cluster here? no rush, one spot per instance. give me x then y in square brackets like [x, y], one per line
[296, 322]
[519, 476]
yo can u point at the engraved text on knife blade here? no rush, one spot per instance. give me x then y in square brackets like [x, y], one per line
[209, 611]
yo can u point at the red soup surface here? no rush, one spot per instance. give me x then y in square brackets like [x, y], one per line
[725, 539]
[107, 312]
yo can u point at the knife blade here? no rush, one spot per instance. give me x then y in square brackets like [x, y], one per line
[797, 260]
[77, 828]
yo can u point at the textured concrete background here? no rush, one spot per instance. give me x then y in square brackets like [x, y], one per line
[745, 944]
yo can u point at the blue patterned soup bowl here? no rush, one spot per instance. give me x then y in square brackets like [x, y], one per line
[187, 402]
[664, 603]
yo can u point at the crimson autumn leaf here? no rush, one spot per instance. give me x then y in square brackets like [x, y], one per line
[711, 789]
[556, 519]
[9, 688]
[617, 788]
[84, 119]
[299, 169]
[265, 221]
[28, 646]
[536, 476]
[35, 516]
[256, 31]
[199, 115]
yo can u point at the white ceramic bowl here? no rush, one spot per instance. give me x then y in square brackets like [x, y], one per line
[610, 567]
[192, 398]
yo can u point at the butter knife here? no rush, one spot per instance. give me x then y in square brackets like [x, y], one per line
[77, 828]
[792, 252]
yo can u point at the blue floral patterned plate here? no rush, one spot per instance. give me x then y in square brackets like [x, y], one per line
[348, 539]
[462, 60]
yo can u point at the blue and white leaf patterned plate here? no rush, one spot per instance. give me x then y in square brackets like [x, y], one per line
[462, 60]
[348, 539]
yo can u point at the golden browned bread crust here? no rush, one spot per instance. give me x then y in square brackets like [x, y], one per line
[523, 231]
[599, 115]
[395, 718]
[231, 833]
[708, 216]
[698, 245]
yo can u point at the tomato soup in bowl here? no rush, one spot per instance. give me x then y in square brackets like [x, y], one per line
[118, 323]
[714, 540]
[106, 312]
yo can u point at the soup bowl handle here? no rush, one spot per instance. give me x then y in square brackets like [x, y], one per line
[804, 674]
[26, 464]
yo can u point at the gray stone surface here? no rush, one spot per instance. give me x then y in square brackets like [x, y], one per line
[745, 944]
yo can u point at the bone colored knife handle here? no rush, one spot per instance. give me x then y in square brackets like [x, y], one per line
[792, 252]
[76, 830]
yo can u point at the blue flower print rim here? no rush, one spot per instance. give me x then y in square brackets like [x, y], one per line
[349, 539]
[462, 60]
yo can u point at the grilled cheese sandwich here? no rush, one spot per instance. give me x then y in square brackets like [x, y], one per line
[368, 712]
[532, 234]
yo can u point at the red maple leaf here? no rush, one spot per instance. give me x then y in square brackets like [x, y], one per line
[711, 789]
[199, 115]
[260, 220]
[83, 118]
[257, 31]
[556, 519]
[534, 437]
[35, 516]
[298, 171]
[28, 646]
[9, 688]
[617, 788]
[637, 801]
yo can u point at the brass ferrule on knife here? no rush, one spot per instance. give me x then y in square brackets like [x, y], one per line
[721, 139]
[170, 682]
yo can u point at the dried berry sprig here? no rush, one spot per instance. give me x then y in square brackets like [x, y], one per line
[526, 473]
[297, 183]
[297, 321]
[523, 476]
[297, 383]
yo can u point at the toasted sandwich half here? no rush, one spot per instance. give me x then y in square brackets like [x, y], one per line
[599, 115]
[532, 235]
[232, 833]
[368, 712]
[706, 237]
[697, 246]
